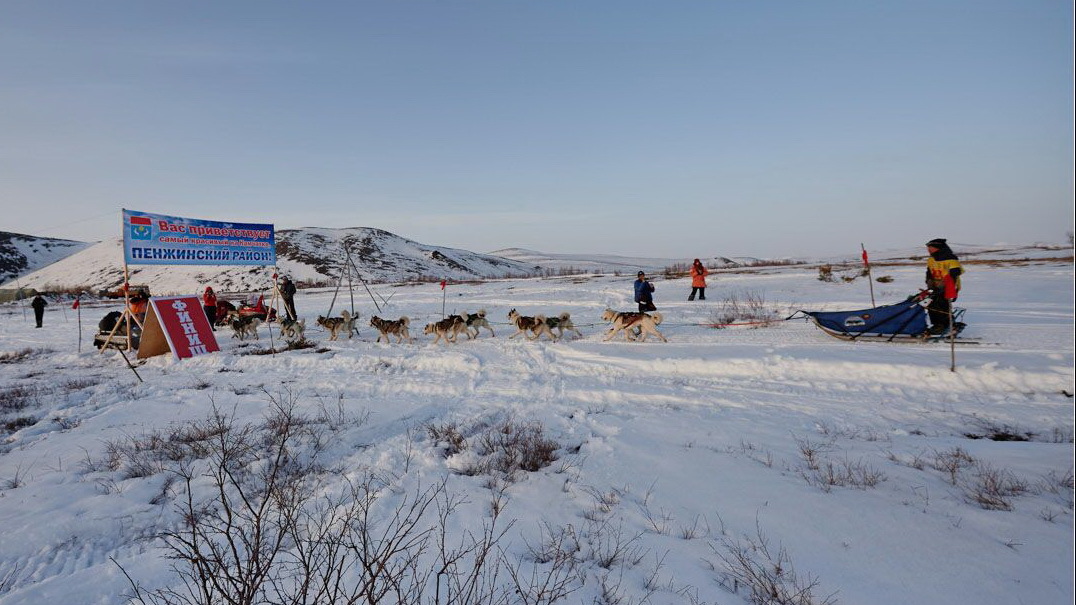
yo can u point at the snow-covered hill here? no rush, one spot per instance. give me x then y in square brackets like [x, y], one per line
[308, 255]
[22, 254]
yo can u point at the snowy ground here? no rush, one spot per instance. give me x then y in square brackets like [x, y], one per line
[672, 454]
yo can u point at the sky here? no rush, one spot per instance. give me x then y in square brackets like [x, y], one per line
[685, 129]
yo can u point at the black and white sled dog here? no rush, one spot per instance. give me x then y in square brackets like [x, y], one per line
[475, 321]
[345, 324]
[535, 325]
[244, 327]
[292, 330]
[560, 323]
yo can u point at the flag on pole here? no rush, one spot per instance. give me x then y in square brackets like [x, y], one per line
[865, 261]
[443, 284]
[75, 305]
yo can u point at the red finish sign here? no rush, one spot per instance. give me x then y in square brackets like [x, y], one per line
[185, 326]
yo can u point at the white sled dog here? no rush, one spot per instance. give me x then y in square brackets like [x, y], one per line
[647, 323]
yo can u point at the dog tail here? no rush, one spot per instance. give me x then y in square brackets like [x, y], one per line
[657, 318]
[345, 315]
[481, 313]
[539, 318]
[565, 316]
[405, 321]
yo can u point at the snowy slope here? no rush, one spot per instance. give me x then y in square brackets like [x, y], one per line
[863, 466]
[21, 254]
[308, 256]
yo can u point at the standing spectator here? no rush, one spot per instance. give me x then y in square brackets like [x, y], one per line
[209, 304]
[698, 280]
[943, 281]
[39, 305]
[644, 293]
[287, 294]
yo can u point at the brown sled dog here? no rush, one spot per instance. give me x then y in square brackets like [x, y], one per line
[448, 328]
[397, 328]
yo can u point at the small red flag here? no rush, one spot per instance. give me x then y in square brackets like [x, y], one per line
[865, 261]
[75, 304]
[443, 284]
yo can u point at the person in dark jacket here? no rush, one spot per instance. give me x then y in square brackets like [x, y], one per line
[644, 293]
[39, 304]
[287, 294]
[943, 281]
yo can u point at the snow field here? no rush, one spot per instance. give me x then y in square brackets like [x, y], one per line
[671, 450]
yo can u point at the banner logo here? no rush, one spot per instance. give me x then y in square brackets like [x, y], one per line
[141, 227]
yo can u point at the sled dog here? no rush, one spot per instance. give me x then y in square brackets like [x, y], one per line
[535, 325]
[291, 329]
[345, 324]
[397, 328]
[623, 320]
[561, 323]
[475, 321]
[245, 326]
[448, 328]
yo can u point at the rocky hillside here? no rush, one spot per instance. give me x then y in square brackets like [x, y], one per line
[310, 256]
[22, 254]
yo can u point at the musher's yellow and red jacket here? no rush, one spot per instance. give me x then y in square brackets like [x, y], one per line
[940, 264]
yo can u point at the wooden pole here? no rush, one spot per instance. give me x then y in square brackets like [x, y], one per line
[870, 280]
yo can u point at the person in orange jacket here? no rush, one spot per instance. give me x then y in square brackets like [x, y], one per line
[138, 304]
[698, 280]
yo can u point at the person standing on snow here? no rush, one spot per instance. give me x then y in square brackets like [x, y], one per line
[943, 281]
[698, 280]
[287, 294]
[209, 304]
[39, 304]
[644, 293]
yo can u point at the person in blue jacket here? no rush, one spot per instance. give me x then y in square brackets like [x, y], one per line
[644, 293]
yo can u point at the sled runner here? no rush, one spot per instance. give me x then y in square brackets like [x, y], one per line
[905, 321]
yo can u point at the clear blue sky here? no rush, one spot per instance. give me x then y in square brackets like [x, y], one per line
[672, 129]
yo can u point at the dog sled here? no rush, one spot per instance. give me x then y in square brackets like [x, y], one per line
[109, 336]
[905, 321]
[256, 309]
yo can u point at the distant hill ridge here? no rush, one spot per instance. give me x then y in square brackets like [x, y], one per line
[310, 255]
[21, 254]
